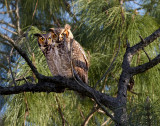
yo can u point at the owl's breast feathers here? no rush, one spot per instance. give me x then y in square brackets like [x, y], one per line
[79, 61]
[60, 56]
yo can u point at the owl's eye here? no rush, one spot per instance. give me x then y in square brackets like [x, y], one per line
[41, 39]
[63, 34]
[49, 39]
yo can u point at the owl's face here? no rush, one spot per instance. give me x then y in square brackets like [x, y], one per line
[44, 40]
[59, 34]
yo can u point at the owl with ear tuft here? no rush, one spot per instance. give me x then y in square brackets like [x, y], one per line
[63, 53]
[46, 44]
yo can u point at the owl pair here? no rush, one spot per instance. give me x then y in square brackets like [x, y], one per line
[63, 54]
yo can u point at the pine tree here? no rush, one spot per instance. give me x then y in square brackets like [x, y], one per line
[104, 29]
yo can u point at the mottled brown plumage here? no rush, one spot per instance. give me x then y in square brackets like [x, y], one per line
[63, 52]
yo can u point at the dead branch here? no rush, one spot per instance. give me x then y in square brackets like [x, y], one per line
[90, 115]
[17, 17]
[35, 9]
[10, 30]
[9, 62]
[60, 112]
[8, 24]
[5, 12]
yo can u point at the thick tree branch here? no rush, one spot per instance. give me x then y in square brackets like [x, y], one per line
[128, 72]
[55, 84]
[146, 42]
[146, 66]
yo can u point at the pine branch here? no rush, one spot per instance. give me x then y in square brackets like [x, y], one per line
[5, 12]
[89, 116]
[146, 66]
[145, 42]
[4, 53]
[17, 17]
[7, 38]
[35, 9]
[111, 65]
[10, 68]
[128, 72]
[22, 53]
[10, 30]
[4, 67]
[8, 10]
[8, 24]
[5, 43]
[58, 83]
[61, 113]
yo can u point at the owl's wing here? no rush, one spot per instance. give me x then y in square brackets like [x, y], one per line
[79, 61]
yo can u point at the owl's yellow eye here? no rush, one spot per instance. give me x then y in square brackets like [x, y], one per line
[49, 39]
[41, 39]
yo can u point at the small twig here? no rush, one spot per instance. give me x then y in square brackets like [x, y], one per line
[7, 38]
[90, 115]
[146, 54]
[35, 9]
[10, 30]
[5, 43]
[4, 66]
[8, 24]
[81, 113]
[106, 122]
[24, 78]
[4, 53]
[5, 12]
[8, 10]
[11, 67]
[56, 21]
[27, 108]
[68, 8]
[18, 18]
[143, 41]
[128, 44]
[60, 112]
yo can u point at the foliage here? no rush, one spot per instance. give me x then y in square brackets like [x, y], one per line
[99, 26]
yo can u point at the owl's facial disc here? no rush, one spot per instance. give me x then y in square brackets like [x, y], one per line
[54, 34]
[63, 34]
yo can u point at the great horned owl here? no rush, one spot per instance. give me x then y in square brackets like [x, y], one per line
[46, 44]
[63, 52]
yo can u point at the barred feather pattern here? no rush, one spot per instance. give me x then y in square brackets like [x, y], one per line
[59, 57]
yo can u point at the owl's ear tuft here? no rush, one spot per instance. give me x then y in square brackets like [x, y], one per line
[51, 30]
[67, 27]
[37, 35]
